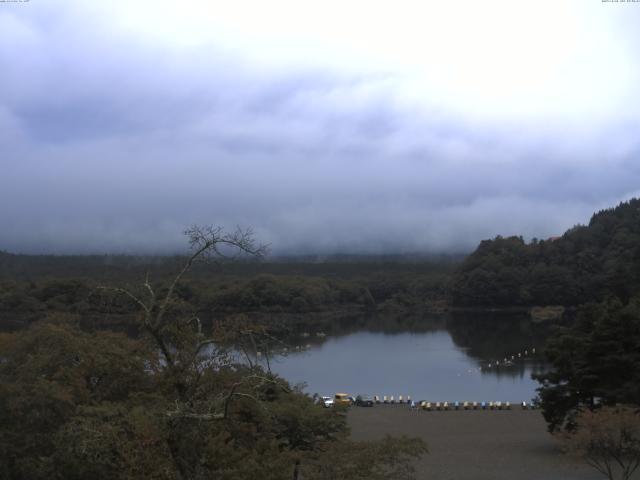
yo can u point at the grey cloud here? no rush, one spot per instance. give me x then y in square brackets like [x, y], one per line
[111, 144]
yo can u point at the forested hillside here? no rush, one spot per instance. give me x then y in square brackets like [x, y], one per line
[587, 263]
[32, 287]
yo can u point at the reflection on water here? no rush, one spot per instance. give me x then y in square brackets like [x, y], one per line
[449, 358]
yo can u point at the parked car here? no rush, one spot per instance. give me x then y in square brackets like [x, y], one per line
[342, 399]
[364, 401]
[327, 402]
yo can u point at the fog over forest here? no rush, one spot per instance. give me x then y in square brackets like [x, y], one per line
[334, 129]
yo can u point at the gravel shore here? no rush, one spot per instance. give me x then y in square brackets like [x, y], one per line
[476, 444]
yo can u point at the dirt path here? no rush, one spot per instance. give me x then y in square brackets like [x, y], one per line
[474, 445]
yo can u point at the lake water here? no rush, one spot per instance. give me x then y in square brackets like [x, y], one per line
[454, 362]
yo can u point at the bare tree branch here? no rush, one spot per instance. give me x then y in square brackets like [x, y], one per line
[608, 439]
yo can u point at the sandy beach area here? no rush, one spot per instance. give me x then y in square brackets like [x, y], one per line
[476, 444]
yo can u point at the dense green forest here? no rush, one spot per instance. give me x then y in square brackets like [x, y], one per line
[298, 294]
[595, 362]
[587, 263]
[78, 405]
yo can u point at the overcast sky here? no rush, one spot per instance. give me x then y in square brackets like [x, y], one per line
[333, 126]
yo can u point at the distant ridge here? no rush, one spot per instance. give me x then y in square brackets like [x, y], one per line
[25, 267]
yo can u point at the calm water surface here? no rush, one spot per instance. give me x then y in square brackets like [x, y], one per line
[426, 365]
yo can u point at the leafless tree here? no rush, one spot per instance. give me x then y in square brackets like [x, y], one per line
[181, 340]
[608, 439]
[207, 243]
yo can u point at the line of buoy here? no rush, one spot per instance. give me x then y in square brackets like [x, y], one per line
[507, 361]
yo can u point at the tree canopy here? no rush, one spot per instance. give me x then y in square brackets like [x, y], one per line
[587, 263]
[594, 362]
[174, 403]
